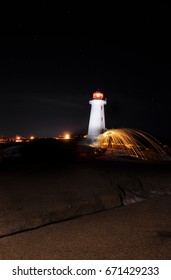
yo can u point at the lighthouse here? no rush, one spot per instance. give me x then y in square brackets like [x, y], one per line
[97, 116]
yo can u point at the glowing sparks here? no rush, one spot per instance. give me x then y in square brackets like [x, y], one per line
[133, 142]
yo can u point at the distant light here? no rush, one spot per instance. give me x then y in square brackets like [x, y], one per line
[66, 136]
[18, 139]
[31, 137]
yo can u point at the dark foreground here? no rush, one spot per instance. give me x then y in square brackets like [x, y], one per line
[55, 204]
[137, 231]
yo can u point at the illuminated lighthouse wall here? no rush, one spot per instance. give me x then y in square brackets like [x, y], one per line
[97, 116]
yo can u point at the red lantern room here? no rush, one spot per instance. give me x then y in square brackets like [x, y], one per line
[98, 95]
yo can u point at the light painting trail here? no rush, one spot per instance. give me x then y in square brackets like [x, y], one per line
[130, 141]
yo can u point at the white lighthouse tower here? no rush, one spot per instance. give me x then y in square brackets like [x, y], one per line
[97, 116]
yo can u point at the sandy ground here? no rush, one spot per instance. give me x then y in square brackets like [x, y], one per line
[48, 212]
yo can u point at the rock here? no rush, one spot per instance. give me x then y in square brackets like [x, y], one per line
[110, 200]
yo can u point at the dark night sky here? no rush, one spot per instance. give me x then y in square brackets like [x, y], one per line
[53, 57]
